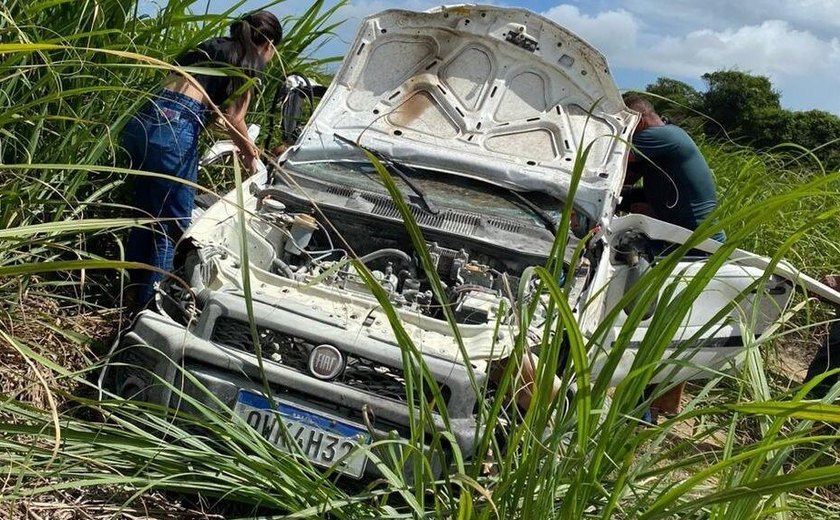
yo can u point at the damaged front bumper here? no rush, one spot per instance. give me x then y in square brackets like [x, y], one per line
[213, 361]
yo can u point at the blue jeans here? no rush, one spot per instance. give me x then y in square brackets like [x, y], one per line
[162, 137]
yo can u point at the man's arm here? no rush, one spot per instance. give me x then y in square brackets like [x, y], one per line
[633, 172]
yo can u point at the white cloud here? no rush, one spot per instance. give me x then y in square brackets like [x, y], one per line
[611, 32]
[822, 17]
[773, 48]
[794, 42]
[797, 60]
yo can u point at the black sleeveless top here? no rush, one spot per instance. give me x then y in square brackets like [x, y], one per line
[211, 53]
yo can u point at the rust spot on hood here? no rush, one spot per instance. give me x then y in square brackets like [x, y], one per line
[412, 109]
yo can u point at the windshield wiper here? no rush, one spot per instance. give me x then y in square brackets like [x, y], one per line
[397, 168]
[549, 222]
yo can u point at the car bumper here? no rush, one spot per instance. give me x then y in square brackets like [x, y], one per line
[158, 355]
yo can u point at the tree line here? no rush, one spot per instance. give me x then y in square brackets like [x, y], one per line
[745, 108]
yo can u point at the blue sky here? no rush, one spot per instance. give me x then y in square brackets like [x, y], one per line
[796, 43]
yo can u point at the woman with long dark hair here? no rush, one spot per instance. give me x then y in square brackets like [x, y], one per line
[162, 137]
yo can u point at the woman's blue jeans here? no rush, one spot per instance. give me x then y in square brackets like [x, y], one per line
[162, 137]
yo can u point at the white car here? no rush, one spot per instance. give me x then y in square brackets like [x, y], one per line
[479, 112]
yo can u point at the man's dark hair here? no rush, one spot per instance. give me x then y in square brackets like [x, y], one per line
[638, 103]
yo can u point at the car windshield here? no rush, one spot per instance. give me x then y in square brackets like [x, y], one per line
[446, 190]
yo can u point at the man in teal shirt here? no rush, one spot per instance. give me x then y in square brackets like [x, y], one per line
[678, 188]
[678, 184]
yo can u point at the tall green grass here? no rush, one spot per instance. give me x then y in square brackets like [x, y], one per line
[73, 72]
[752, 177]
[590, 461]
[740, 449]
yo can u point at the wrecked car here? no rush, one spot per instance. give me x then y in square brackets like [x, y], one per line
[479, 112]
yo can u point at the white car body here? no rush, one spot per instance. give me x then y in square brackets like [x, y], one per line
[479, 97]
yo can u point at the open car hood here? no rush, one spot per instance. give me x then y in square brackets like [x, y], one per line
[498, 94]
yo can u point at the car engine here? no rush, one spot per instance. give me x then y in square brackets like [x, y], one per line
[477, 286]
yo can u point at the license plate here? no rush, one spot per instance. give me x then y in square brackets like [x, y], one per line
[323, 440]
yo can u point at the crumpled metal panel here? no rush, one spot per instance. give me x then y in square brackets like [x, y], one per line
[500, 94]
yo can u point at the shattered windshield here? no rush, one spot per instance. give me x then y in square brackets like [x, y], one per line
[445, 190]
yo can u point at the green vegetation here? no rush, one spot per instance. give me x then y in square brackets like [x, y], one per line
[744, 108]
[743, 447]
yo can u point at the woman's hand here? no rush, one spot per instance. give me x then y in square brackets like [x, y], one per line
[238, 131]
[249, 155]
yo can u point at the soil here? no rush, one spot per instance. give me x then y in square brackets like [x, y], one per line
[70, 336]
[104, 504]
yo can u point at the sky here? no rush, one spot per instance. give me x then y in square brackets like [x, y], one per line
[796, 43]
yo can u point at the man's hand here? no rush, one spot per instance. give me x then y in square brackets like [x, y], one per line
[632, 175]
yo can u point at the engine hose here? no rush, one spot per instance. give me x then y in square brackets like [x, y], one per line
[385, 252]
[317, 256]
[315, 252]
[269, 192]
[472, 287]
[327, 235]
[283, 267]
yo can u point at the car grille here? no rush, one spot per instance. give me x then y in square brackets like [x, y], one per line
[282, 348]
[374, 378]
[292, 352]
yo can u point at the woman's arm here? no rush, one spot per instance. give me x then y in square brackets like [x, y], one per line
[238, 130]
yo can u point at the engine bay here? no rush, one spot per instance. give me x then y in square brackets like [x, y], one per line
[305, 249]
[478, 279]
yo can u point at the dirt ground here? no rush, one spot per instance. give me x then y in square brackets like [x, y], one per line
[70, 336]
[103, 505]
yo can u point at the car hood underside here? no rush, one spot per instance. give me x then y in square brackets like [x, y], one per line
[501, 95]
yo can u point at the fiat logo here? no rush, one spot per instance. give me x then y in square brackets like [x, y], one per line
[325, 362]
